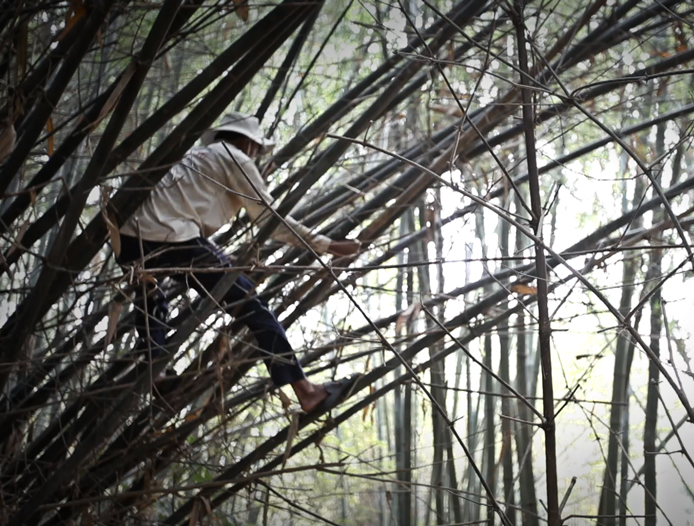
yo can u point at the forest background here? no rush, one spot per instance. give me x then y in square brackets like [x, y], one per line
[520, 175]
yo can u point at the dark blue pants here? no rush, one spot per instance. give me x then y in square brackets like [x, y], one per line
[242, 302]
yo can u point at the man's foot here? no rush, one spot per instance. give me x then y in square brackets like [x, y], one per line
[330, 394]
[310, 395]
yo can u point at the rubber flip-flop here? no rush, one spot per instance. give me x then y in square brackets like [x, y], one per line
[338, 391]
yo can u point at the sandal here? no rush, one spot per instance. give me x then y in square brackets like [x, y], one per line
[338, 391]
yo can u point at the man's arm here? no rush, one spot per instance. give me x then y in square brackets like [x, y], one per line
[250, 183]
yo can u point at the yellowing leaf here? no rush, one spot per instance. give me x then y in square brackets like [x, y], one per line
[523, 289]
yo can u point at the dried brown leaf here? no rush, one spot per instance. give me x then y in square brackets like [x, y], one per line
[51, 142]
[284, 399]
[407, 315]
[114, 310]
[8, 137]
[223, 346]
[18, 240]
[241, 9]
[113, 233]
[75, 12]
[4, 266]
[22, 49]
[193, 520]
[194, 415]
[523, 289]
[293, 428]
[208, 507]
[449, 109]
[365, 412]
[115, 95]
[146, 277]
[113, 230]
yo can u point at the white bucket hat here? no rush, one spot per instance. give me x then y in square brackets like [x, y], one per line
[246, 125]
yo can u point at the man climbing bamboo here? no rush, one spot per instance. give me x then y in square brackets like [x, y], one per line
[198, 196]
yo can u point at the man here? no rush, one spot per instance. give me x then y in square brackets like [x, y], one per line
[193, 200]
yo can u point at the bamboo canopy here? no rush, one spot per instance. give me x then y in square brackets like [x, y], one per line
[407, 126]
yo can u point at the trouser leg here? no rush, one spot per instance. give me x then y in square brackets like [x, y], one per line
[242, 302]
[279, 356]
[151, 308]
[151, 316]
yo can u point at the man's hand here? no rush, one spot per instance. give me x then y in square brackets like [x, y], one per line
[348, 247]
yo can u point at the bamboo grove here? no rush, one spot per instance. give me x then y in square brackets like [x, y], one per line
[520, 177]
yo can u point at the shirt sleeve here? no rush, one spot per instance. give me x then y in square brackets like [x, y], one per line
[251, 184]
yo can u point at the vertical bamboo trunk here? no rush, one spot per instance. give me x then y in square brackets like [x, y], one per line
[650, 433]
[402, 416]
[409, 413]
[612, 491]
[382, 433]
[438, 391]
[504, 373]
[489, 462]
[549, 426]
[608, 497]
[454, 501]
[487, 387]
[474, 512]
[624, 461]
[526, 479]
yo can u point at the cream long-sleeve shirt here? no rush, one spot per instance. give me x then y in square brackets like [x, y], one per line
[203, 192]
